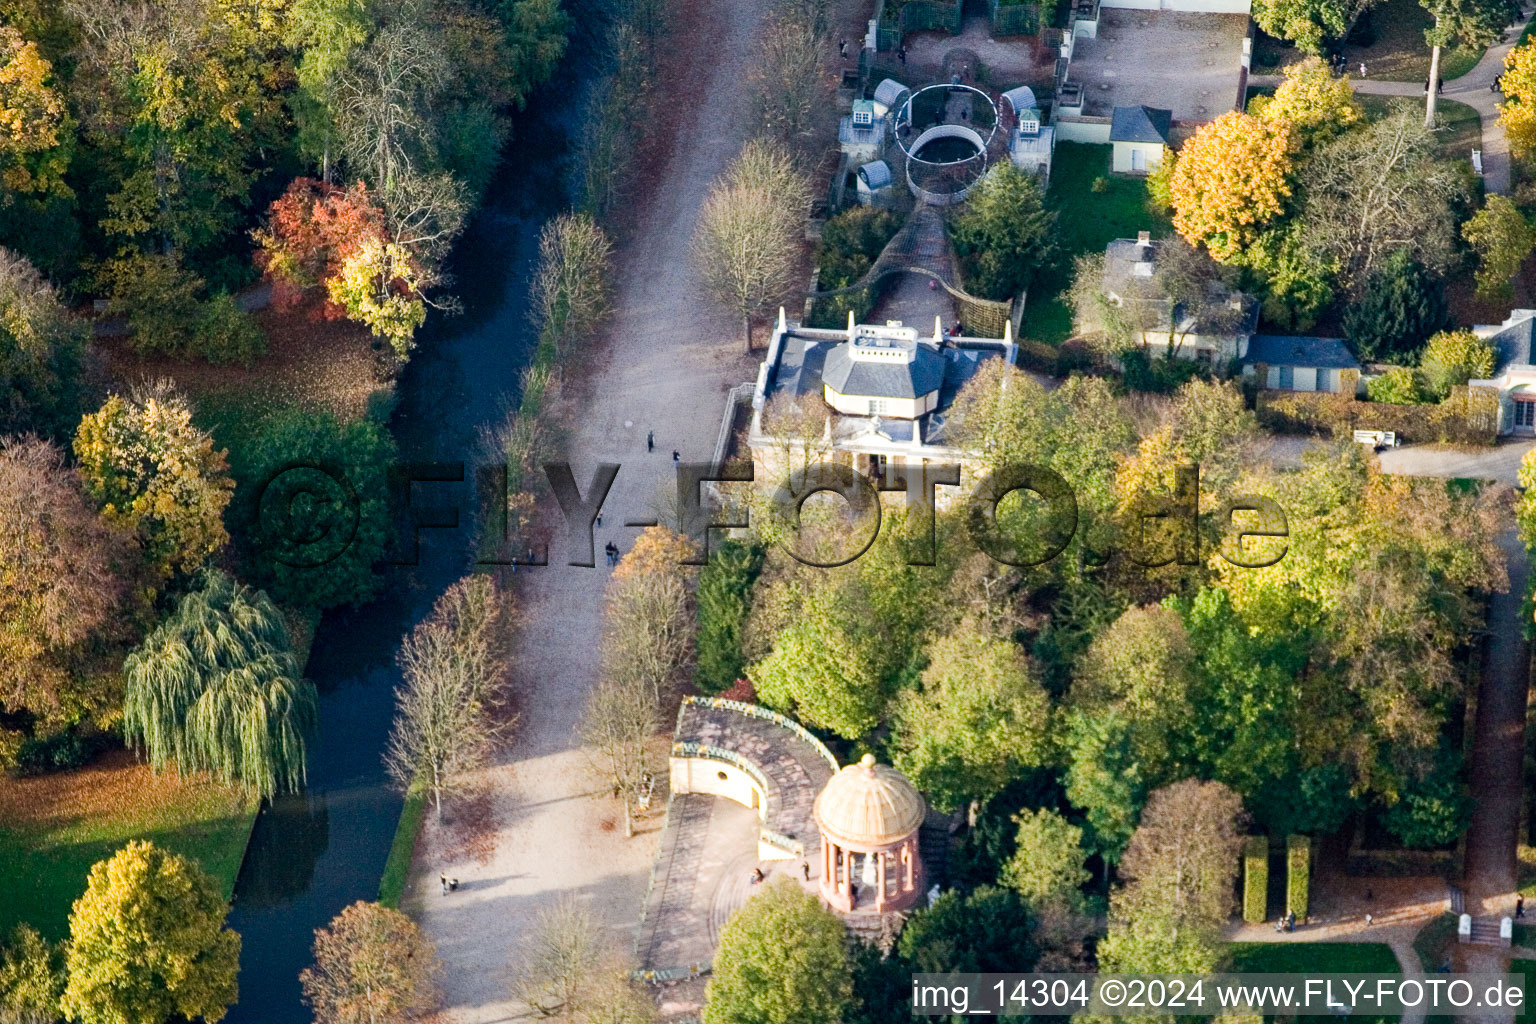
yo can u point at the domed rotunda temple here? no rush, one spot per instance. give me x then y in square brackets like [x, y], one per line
[869, 816]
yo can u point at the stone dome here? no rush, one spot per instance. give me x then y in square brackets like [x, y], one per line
[869, 804]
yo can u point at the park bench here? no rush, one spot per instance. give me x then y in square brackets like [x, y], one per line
[1377, 439]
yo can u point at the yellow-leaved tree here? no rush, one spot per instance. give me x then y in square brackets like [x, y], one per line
[1231, 179]
[33, 119]
[380, 285]
[1518, 111]
[147, 943]
[1312, 101]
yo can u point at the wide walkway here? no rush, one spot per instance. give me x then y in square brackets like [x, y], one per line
[665, 365]
[1473, 88]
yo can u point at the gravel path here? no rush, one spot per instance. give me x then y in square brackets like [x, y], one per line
[665, 366]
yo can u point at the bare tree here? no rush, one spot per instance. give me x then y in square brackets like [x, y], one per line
[452, 663]
[383, 96]
[620, 718]
[557, 961]
[788, 84]
[570, 290]
[748, 242]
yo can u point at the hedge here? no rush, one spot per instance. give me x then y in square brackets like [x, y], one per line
[1298, 867]
[398, 867]
[1468, 415]
[1256, 879]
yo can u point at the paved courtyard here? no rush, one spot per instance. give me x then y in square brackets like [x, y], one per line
[1188, 63]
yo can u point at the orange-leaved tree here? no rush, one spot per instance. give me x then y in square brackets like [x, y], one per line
[1231, 179]
[312, 229]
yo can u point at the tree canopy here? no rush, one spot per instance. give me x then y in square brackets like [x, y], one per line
[1232, 177]
[217, 687]
[147, 943]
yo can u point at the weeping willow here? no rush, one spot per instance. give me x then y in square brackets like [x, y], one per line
[216, 687]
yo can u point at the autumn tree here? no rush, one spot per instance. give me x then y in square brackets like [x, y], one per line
[41, 345]
[1517, 114]
[1502, 237]
[373, 965]
[36, 133]
[217, 687]
[782, 959]
[1003, 234]
[1455, 357]
[311, 230]
[155, 473]
[648, 614]
[977, 719]
[1232, 178]
[64, 590]
[147, 943]
[31, 978]
[749, 232]
[170, 309]
[1315, 103]
[1179, 873]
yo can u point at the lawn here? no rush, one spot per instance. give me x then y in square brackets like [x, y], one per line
[1313, 958]
[1086, 221]
[56, 826]
[1395, 51]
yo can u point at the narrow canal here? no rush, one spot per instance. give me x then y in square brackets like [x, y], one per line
[313, 854]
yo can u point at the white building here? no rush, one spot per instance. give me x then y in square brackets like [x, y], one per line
[1514, 373]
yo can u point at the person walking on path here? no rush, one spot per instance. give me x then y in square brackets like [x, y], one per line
[1362, 69]
[676, 458]
[842, 47]
[650, 440]
[901, 54]
[444, 879]
[1520, 906]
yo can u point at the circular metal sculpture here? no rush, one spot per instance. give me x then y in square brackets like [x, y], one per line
[944, 131]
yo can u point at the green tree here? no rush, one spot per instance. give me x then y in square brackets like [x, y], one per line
[31, 978]
[723, 601]
[977, 718]
[1314, 102]
[536, 40]
[985, 930]
[1103, 778]
[147, 943]
[218, 688]
[782, 959]
[1433, 811]
[154, 472]
[1502, 237]
[1046, 868]
[372, 965]
[316, 507]
[1307, 23]
[1402, 305]
[1004, 234]
[41, 345]
[1469, 24]
[1143, 667]
[1455, 357]
[824, 668]
[1297, 277]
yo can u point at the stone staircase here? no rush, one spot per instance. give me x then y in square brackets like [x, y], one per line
[1485, 932]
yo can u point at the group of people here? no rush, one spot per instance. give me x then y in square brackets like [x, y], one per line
[611, 550]
[1286, 923]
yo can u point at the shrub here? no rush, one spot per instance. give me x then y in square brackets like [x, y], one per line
[1004, 233]
[1398, 386]
[1256, 879]
[1298, 867]
[1455, 357]
[168, 314]
[226, 333]
[850, 244]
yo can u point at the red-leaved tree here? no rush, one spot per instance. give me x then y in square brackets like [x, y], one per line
[311, 231]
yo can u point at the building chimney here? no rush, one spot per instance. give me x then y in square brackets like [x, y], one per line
[1144, 237]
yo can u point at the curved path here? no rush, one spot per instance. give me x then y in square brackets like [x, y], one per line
[1475, 89]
